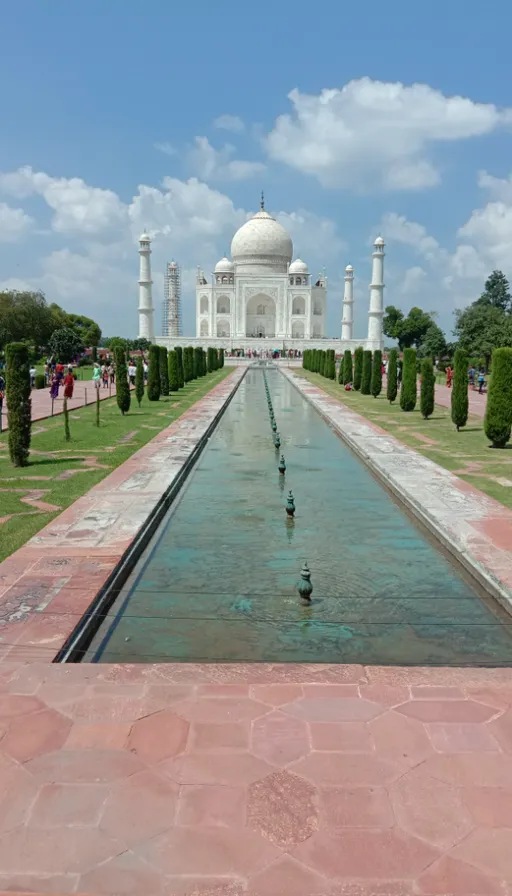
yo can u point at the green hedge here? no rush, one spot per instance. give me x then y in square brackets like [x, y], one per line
[172, 370]
[358, 367]
[409, 390]
[153, 373]
[17, 391]
[122, 386]
[164, 371]
[428, 386]
[376, 385]
[392, 376]
[498, 414]
[460, 397]
[366, 377]
[179, 357]
[139, 379]
[346, 374]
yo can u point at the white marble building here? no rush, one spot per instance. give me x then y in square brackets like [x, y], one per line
[261, 299]
[261, 293]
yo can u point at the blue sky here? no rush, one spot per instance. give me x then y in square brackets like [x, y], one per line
[355, 119]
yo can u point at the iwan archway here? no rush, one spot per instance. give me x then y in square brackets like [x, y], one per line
[260, 317]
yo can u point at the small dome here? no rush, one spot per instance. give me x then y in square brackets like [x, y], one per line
[349, 269]
[379, 241]
[224, 266]
[144, 238]
[298, 267]
[262, 239]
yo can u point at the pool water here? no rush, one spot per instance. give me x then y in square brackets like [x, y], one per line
[218, 583]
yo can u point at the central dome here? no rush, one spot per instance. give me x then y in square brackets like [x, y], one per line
[262, 243]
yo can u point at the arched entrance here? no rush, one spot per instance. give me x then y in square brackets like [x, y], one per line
[260, 317]
[298, 329]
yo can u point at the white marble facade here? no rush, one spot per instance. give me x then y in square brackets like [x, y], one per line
[261, 294]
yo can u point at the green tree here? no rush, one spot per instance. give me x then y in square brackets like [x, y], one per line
[392, 376]
[164, 371]
[113, 342]
[179, 357]
[187, 363]
[376, 382]
[321, 366]
[433, 345]
[154, 373]
[497, 292]
[358, 367]
[198, 362]
[346, 367]
[480, 328]
[65, 345]
[366, 378]
[221, 358]
[139, 380]
[428, 385]
[330, 364]
[174, 383]
[409, 390]
[460, 400]
[211, 359]
[87, 330]
[408, 330]
[17, 381]
[141, 344]
[25, 317]
[122, 386]
[498, 413]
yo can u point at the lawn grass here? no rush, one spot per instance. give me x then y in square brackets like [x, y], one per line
[466, 453]
[92, 452]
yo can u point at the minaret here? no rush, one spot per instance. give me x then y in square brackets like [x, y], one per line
[376, 312]
[347, 320]
[146, 311]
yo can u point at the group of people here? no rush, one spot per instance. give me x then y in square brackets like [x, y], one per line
[62, 377]
[475, 377]
[106, 374]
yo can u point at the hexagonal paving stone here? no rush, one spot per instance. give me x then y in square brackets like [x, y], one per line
[68, 804]
[456, 878]
[279, 738]
[471, 769]
[125, 875]
[333, 709]
[501, 728]
[283, 808]
[34, 734]
[447, 710]
[158, 736]
[17, 793]
[139, 808]
[12, 705]
[430, 809]
[347, 769]
[66, 850]
[216, 768]
[400, 738]
[488, 849]
[220, 709]
[287, 876]
[83, 766]
[209, 851]
[211, 805]
[358, 807]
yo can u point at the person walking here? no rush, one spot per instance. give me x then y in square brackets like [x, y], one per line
[96, 376]
[69, 383]
[481, 381]
[54, 388]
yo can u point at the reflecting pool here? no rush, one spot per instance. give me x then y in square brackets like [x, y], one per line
[218, 583]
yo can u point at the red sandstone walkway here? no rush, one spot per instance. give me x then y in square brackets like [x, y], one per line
[42, 403]
[477, 402]
[256, 780]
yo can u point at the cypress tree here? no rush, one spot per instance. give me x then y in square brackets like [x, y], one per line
[498, 414]
[172, 362]
[392, 383]
[358, 367]
[321, 362]
[332, 364]
[210, 360]
[17, 389]
[376, 385]
[221, 358]
[428, 386]
[164, 372]
[346, 368]
[179, 358]
[154, 373]
[315, 361]
[187, 364]
[139, 380]
[409, 390]
[198, 362]
[67, 433]
[460, 398]
[122, 385]
[366, 376]
[204, 370]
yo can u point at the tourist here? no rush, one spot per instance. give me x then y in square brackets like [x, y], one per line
[69, 383]
[104, 376]
[111, 372]
[449, 377]
[32, 374]
[348, 387]
[471, 375]
[146, 369]
[54, 388]
[481, 380]
[132, 370]
[96, 375]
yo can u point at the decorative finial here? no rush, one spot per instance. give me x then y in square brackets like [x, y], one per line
[304, 587]
[282, 466]
[290, 504]
[262, 203]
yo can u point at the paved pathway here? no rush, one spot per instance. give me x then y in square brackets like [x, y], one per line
[477, 402]
[255, 780]
[84, 392]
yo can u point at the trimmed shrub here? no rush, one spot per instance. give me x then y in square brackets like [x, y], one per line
[376, 385]
[211, 359]
[198, 363]
[65, 414]
[460, 398]
[172, 364]
[139, 380]
[17, 392]
[332, 364]
[392, 376]
[153, 373]
[409, 390]
[221, 358]
[498, 414]
[122, 385]
[358, 367]
[39, 382]
[204, 370]
[187, 363]
[346, 374]
[366, 376]
[179, 358]
[164, 373]
[428, 387]
[321, 362]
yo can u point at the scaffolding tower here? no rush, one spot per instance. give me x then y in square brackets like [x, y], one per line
[171, 323]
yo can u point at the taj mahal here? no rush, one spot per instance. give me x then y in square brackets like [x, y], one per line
[262, 298]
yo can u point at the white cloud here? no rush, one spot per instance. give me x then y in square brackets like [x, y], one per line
[413, 279]
[498, 188]
[166, 148]
[14, 223]
[397, 228]
[372, 134]
[229, 123]
[77, 207]
[209, 163]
